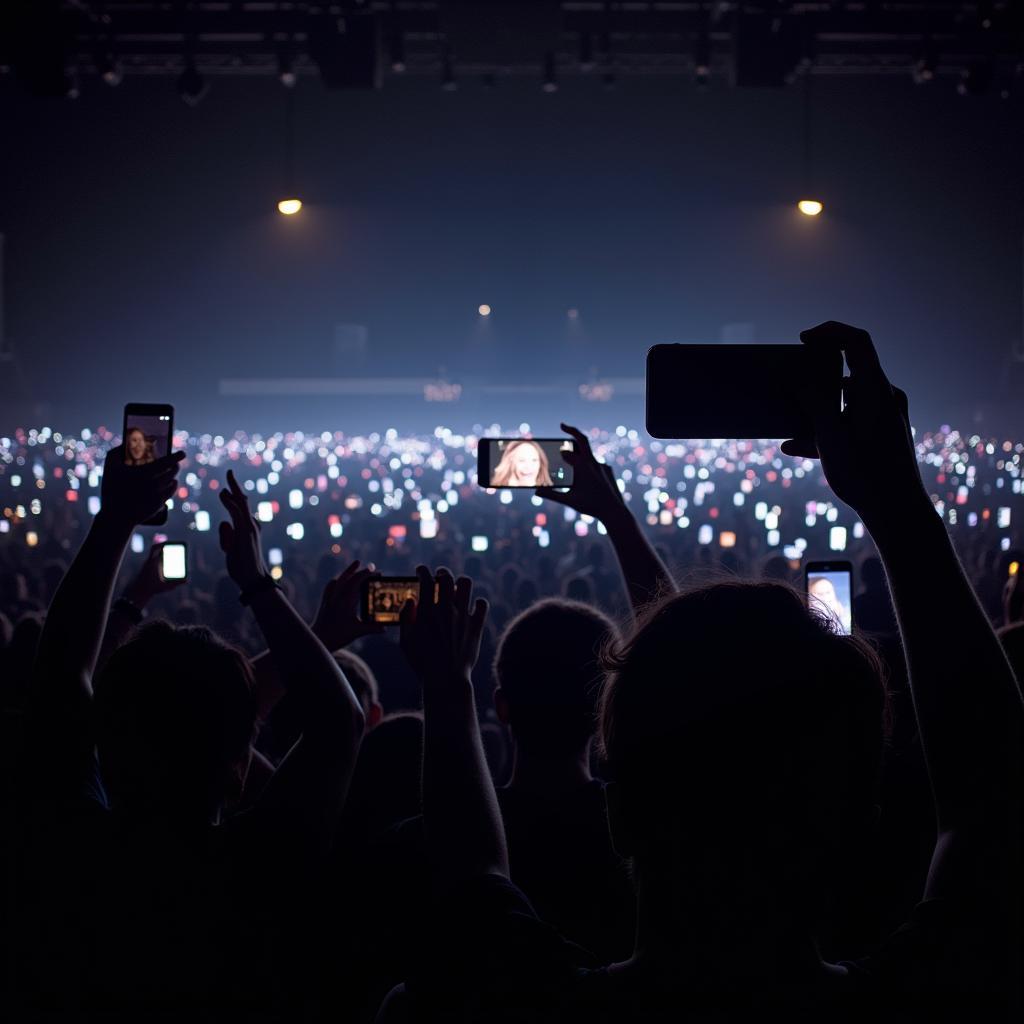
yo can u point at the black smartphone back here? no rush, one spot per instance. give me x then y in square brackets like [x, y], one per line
[745, 391]
[147, 436]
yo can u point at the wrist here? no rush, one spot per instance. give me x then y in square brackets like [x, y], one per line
[136, 595]
[903, 518]
[110, 527]
[259, 590]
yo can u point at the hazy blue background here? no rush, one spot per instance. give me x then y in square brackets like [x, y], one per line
[145, 258]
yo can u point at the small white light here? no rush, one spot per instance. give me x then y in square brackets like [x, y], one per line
[483, 309]
[479, 543]
[202, 521]
[810, 207]
[289, 207]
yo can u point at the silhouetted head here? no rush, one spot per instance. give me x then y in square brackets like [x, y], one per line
[386, 784]
[175, 716]
[526, 593]
[744, 736]
[364, 684]
[578, 588]
[548, 675]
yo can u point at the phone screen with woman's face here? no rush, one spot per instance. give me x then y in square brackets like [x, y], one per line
[830, 592]
[527, 462]
[147, 433]
[147, 436]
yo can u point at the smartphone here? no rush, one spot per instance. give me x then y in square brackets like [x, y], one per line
[527, 462]
[174, 561]
[745, 391]
[147, 436]
[385, 596]
[830, 591]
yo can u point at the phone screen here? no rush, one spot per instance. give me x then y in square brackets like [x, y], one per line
[147, 433]
[830, 591]
[524, 462]
[173, 562]
[385, 597]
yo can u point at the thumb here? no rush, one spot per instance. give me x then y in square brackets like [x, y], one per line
[558, 497]
[227, 536]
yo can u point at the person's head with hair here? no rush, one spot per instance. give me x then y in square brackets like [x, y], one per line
[744, 736]
[548, 675]
[175, 717]
[364, 684]
[138, 448]
[522, 464]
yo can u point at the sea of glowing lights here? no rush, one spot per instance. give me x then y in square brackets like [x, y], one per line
[715, 488]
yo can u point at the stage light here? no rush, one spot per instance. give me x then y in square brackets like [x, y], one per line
[924, 69]
[191, 85]
[398, 64]
[289, 206]
[448, 82]
[285, 72]
[483, 309]
[550, 73]
[109, 70]
[810, 207]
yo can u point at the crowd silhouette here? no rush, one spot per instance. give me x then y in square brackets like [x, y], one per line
[711, 804]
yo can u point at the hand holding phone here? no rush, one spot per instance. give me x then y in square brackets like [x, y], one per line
[133, 496]
[866, 446]
[594, 491]
[173, 562]
[337, 621]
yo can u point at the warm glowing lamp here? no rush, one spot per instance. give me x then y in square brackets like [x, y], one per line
[484, 309]
[810, 207]
[289, 206]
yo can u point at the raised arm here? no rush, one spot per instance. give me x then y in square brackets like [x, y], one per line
[69, 647]
[126, 612]
[441, 639]
[966, 700]
[595, 493]
[311, 782]
[337, 624]
[70, 642]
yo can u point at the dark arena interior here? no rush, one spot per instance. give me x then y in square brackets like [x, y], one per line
[512, 510]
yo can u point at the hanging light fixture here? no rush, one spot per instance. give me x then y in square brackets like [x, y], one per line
[808, 206]
[290, 204]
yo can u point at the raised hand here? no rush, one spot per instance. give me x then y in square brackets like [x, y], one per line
[337, 621]
[149, 581]
[866, 447]
[441, 636]
[132, 494]
[593, 492]
[240, 539]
